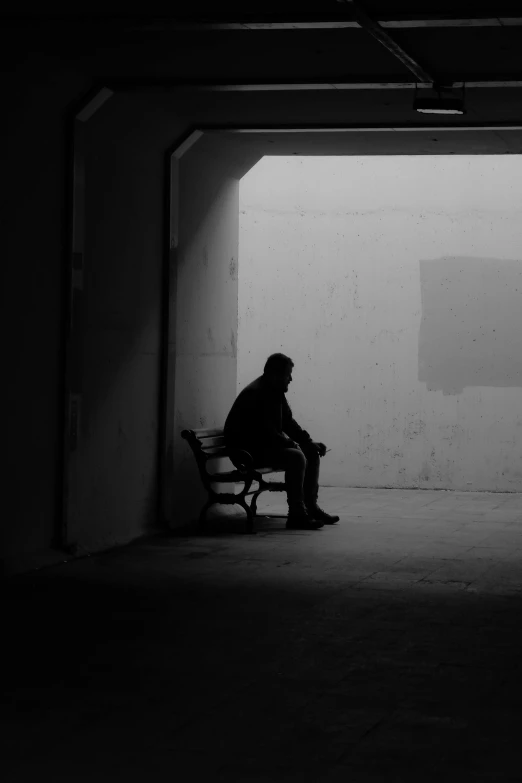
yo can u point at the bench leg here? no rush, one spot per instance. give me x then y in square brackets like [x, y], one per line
[250, 517]
[203, 513]
[240, 499]
[253, 502]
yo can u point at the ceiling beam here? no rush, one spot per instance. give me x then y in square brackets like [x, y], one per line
[410, 128]
[353, 86]
[168, 85]
[376, 31]
[432, 21]
[497, 21]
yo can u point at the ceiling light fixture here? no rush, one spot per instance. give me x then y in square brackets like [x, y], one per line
[451, 104]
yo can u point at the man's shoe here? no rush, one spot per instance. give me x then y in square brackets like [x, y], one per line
[301, 520]
[322, 516]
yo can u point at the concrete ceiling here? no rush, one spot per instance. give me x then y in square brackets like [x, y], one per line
[323, 44]
[322, 61]
[363, 142]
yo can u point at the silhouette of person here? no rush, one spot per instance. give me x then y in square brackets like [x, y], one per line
[261, 422]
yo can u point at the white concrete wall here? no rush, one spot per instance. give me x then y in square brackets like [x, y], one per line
[206, 305]
[395, 283]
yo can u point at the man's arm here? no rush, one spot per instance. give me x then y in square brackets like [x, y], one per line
[271, 432]
[292, 428]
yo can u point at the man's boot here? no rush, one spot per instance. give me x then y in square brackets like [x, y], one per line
[318, 514]
[300, 519]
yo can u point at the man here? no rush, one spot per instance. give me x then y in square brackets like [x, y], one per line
[261, 422]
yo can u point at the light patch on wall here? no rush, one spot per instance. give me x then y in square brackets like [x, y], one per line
[329, 273]
[471, 327]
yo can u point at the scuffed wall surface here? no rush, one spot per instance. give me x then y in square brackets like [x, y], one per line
[206, 305]
[394, 283]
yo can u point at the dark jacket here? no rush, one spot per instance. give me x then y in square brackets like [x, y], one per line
[261, 418]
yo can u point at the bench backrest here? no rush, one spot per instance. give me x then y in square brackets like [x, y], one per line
[206, 445]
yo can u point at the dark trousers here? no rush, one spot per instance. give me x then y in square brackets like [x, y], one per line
[301, 468]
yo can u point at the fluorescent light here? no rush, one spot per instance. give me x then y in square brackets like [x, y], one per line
[439, 105]
[440, 111]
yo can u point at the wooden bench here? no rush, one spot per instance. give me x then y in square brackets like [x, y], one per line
[208, 445]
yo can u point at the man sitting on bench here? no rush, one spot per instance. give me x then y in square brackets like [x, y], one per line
[261, 422]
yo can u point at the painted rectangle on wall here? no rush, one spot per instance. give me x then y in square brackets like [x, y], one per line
[471, 328]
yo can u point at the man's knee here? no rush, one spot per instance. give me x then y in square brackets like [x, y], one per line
[311, 454]
[294, 459]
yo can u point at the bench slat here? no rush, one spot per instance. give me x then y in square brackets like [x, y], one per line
[207, 433]
[225, 477]
[207, 443]
[216, 451]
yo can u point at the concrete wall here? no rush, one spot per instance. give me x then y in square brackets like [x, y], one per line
[33, 179]
[113, 470]
[113, 473]
[113, 488]
[206, 304]
[395, 283]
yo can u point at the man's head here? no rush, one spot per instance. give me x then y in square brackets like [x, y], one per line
[278, 371]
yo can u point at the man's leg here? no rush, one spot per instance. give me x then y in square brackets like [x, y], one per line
[311, 476]
[295, 466]
[311, 487]
[294, 463]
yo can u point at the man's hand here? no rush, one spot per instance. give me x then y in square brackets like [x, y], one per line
[321, 448]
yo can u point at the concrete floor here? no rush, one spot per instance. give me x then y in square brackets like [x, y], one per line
[385, 648]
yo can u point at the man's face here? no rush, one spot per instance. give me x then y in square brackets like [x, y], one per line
[285, 379]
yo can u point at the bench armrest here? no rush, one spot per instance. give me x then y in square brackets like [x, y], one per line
[242, 460]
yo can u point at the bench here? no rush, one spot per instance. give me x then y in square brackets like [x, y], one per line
[208, 445]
